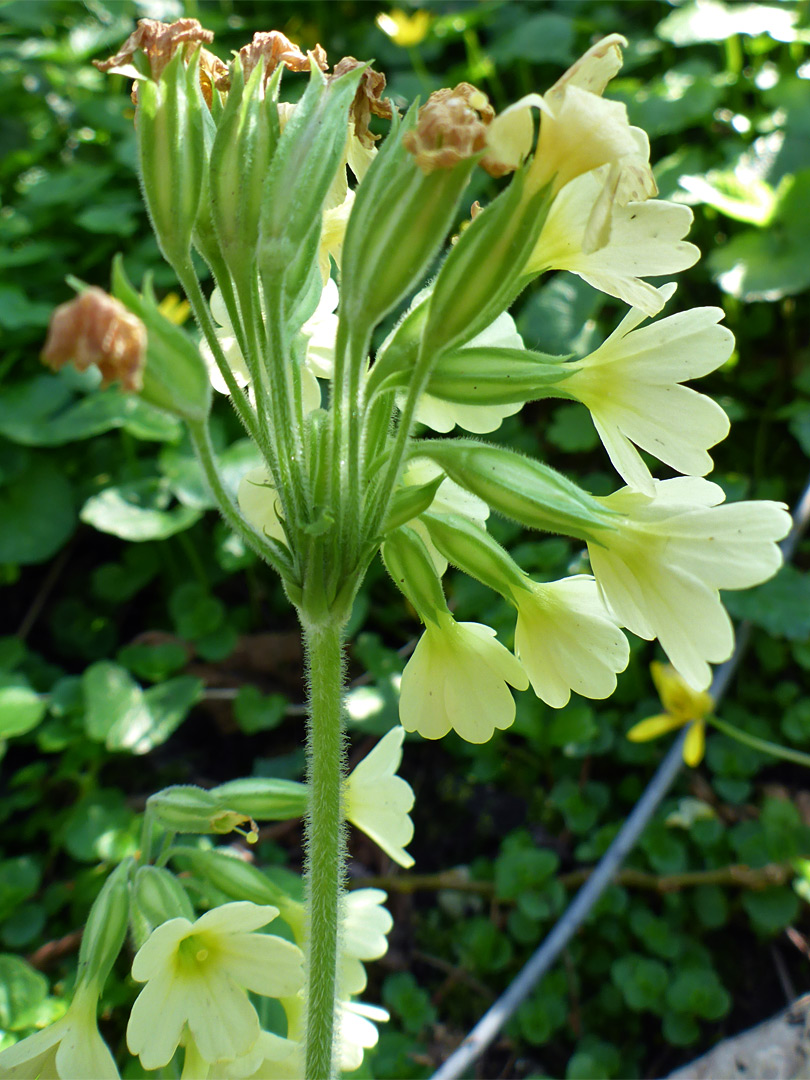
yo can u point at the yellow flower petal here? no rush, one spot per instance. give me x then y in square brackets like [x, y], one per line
[695, 744]
[654, 726]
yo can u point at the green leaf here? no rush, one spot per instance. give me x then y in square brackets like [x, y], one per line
[123, 716]
[523, 869]
[37, 512]
[138, 511]
[572, 430]
[547, 37]
[22, 989]
[642, 981]
[21, 708]
[772, 909]
[781, 606]
[481, 946]
[680, 99]
[101, 827]
[154, 663]
[195, 611]
[255, 711]
[19, 880]
[545, 1011]
[24, 926]
[403, 995]
[17, 312]
[699, 992]
[560, 317]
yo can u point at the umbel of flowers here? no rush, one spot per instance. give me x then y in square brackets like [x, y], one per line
[314, 235]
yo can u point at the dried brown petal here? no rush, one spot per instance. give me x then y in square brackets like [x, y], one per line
[214, 75]
[159, 41]
[367, 100]
[275, 49]
[95, 328]
[451, 127]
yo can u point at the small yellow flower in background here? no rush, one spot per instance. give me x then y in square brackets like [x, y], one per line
[174, 309]
[683, 706]
[198, 974]
[379, 802]
[404, 30]
[70, 1049]
[457, 678]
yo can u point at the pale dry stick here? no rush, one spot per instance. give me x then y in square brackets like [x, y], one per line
[604, 873]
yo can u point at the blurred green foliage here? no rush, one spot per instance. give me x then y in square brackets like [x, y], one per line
[138, 626]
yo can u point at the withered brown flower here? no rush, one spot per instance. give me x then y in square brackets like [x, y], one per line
[95, 328]
[451, 126]
[367, 100]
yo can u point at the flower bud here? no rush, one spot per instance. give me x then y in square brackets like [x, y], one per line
[309, 152]
[409, 563]
[468, 545]
[484, 272]
[237, 879]
[240, 158]
[172, 153]
[264, 798]
[106, 927]
[158, 896]
[399, 221]
[94, 329]
[519, 488]
[175, 377]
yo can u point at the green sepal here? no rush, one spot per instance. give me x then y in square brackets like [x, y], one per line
[494, 376]
[398, 223]
[188, 809]
[245, 142]
[172, 153]
[175, 377]
[106, 927]
[264, 798]
[483, 273]
[409, 563]
[468, 545]
[158, 896]
[233, 877]
[398, 355]
[309, 152]
[527, 491]
[409, 501]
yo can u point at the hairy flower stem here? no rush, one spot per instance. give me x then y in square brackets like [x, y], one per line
[325, 837]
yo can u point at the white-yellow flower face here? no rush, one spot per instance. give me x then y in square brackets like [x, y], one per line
[566, 640]
[70, 1049]
[357, 1031]
[457, 678]
[379, 802]
[643, 239]
[661, 569]
[631, 385]
[364, 929]
[199, 974]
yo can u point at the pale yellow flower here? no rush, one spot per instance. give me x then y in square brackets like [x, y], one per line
[643, 239]
[70, 1049]
[198, 974]
[272, 1057]
[682, 706]
[364, 927]
[357, 1031]
[631, 385]
[566, 640]
[662, 565]
[379, 802]
[457, 678]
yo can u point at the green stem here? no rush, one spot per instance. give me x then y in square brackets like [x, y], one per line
[325, 836]
[766, 747]
[269, 549]
[199, 305]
